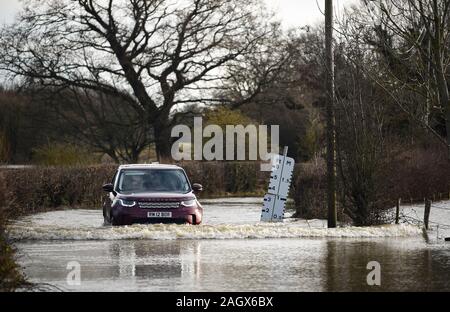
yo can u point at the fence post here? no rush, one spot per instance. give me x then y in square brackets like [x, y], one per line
[426, 215]
[397, 211]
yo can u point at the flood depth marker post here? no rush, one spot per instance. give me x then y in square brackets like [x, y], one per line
[280, 181]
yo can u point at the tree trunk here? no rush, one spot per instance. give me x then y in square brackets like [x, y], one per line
[163, 145]
[445, 103]
[438, 53]
[443, 98]
[131, 157]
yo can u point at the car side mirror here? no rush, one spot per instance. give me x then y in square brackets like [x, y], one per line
[108, 187]
[197, 187]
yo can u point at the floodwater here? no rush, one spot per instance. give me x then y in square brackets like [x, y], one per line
[232, 251]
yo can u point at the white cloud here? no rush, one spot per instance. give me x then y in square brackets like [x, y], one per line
[9, 8]
[297, 13]
[293, 13]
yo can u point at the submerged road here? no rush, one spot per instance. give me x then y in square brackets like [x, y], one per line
[231, 251]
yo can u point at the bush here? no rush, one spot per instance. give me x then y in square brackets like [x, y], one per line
[412, 175]
[59, 154]
[310, 190]
[417, 174]
[210, 175]
[10, 273]
[11, 277]
[42, 188]
[241, 177]
[221, 178]
[5, 148]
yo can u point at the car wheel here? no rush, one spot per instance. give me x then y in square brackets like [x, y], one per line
[114, 222]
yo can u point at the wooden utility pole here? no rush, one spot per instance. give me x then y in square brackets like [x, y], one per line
[426, 215]
[397, 211]
[331, 122]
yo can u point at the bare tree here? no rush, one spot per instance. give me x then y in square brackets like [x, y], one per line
[411, 40]
[164, 53]
[94, 119]
[293, 88]
[361, 116]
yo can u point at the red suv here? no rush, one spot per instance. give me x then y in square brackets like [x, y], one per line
[151, 194]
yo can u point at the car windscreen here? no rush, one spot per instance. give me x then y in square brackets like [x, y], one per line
[152, 181]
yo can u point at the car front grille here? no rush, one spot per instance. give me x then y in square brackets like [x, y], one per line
[159, 205]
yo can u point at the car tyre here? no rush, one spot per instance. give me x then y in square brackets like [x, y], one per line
[114, 222]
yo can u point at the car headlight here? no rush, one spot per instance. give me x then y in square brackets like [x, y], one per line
[188, 203]
[127, 203]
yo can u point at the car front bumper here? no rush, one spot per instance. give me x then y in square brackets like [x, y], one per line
[129, 215]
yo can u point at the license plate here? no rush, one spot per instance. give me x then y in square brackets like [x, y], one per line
[159, 214]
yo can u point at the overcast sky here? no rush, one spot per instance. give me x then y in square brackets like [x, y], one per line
[292, 13]
[295, 13]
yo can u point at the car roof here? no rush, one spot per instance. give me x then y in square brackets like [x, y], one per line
[149, 166]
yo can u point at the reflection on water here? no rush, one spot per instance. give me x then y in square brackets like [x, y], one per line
[113, 266]
[139, 260]
[405, 265]
[241, 265]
